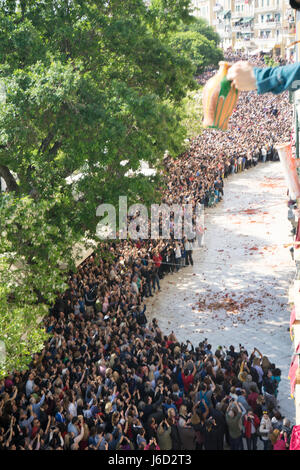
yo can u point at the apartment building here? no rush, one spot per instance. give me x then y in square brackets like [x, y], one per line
[250, 25]
[242, 19]
[204, 9]
[222, 21]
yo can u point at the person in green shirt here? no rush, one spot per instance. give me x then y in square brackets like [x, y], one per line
[233, 420]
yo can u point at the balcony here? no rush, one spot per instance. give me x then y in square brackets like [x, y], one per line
[266, 9]
[226, 35]
[243, 44]
[268, 25]
[236, 15]
[267, 43]
[289, 33]
[240, 29]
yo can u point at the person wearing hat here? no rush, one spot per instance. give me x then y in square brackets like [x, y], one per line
[265, 429]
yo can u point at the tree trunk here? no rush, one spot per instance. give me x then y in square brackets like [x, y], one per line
[8, 178]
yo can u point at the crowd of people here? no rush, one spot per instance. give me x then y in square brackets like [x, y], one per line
[257, 124]
[109, 378]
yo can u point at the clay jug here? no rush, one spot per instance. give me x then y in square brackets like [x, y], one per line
[219, 99]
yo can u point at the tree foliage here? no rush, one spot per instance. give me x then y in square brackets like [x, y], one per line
[88, 84]
[201, 51]
[198, 42]
[201, 26]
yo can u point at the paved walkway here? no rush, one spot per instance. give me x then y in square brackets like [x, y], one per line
[236, 292]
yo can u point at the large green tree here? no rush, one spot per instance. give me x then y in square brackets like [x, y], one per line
[201, 26]
[201, 51]
[198, 42]
[88, 84]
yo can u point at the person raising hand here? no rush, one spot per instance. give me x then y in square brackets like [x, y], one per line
[246, 77]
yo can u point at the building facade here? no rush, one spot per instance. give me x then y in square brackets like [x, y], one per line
[222, 22]
[250, 25]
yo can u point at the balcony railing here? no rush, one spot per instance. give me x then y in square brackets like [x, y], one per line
[235, 15]
[240, 29]
[266, 9]
[268, 25]
[266, 41]
[226, 35]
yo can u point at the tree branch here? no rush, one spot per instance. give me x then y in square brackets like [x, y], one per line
[46, 142]
[8, 178]
[54, 149]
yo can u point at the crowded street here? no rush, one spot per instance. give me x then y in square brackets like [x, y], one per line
[243, 260]
[162, 330]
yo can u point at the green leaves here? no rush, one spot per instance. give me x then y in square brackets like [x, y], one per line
[21, 332]
[88, 84]
[195, 46]
[200, 26]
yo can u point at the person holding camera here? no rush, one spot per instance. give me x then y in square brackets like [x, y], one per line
[233, 420]
[152, 445]
[164, 435]
[251, 424]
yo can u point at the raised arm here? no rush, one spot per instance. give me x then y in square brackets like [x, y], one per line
[246, 77]
[80, 436]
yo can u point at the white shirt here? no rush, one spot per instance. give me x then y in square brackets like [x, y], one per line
[72, 409]
[177, 252]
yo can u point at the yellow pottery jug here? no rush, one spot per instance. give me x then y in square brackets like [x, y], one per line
[219, 98]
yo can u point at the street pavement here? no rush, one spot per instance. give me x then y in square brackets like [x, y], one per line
[237, 290]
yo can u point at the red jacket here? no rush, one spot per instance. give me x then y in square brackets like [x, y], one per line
[252, 400]
[247, 425]
[157, 260]
[187, 381]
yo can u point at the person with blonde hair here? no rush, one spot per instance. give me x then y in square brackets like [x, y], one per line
[265, 429]
[278, 440]
[184, 420]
